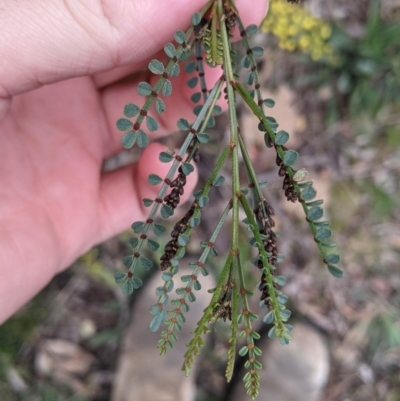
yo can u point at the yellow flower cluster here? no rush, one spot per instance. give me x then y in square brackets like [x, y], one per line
[297, 29]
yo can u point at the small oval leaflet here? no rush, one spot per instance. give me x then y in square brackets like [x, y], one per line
[203, 201]
[192, 82]
[280, 280]
[136, 282]
[196, 19]
[144, 89]
[290, 157]
[219, 181]
[190, 67]
[194, 222]
[197, 194]
[166, 276]
[281, 298]
[217, 110]
[315, 203]
[129, 139]
[244, 350]
[315, 213]
[183, 124]
[203, 137]
[166, 211]
[187, 168]
[191, 298]
[308, 193]
[159, 229]
[306, 184]
[156, 321]
[156, 67]
[142, 139]
[152, 245]
[151, 123]
[137, 226]
[154, 179]
[269, 103]
[167, 88]
[329, 244]
[131, 110]
[165, 157]
[155, 308]
[245, 62]
[323, 234]
[133, 242]
[335, 271]
[145, 263]
[250, 78]
[147, 202]
[183, 240]
[273, 126]
[300, 175]
[128, 261]
[269, 317]
[195, 98]
[170, 50]
[120, 277]
[333, 258]
[251, 30]
[181, 290]
[180, 37]
[197, 285]
[169, 285]
[322, 224]
[285, 314]
[160, 106]
[197, 110]
[258, 51]
[272, 333]
[127, 287]
[281, 138]
[174, 71]
[123, 124]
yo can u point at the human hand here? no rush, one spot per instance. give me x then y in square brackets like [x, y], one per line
[60, 62]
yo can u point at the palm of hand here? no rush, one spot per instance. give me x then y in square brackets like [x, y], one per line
[56, 203]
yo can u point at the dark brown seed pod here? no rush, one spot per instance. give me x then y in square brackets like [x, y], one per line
[263, 214]
[171, 248]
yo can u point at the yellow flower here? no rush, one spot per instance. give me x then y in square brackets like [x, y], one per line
[297, 29]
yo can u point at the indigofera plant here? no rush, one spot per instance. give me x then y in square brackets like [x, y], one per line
[209, 40]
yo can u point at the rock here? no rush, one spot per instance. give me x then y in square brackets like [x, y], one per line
[144, 375]
[295, 372]
[60, 355]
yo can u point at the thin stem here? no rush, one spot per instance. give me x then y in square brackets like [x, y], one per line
[233, 128]
[266, 266]
[201, 327]
[249, 167]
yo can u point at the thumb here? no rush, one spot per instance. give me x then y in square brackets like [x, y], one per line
[44, 41]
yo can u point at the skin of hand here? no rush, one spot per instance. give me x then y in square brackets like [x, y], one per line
[60, 63]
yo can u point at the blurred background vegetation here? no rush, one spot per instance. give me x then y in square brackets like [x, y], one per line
[339, 63]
